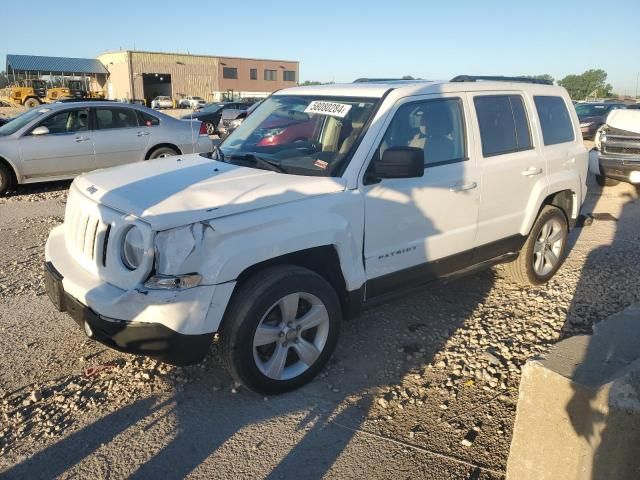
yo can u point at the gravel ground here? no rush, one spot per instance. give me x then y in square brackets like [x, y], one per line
[422, 387]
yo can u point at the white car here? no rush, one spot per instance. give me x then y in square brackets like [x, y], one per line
[161, 102]
[191, 102]
[325, 200]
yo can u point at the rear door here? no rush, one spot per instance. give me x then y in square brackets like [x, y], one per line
[512, 168]
[66, 150]
[119, 136]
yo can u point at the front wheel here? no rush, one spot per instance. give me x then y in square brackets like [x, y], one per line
[544, 250]
[280, 329]
[31, 102]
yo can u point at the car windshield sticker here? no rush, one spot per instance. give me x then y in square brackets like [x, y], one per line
[321, 164]
[328, 108]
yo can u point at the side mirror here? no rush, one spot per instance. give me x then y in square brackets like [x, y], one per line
[41, 130]
[400, 162]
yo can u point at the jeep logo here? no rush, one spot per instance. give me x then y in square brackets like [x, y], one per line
[92, 189]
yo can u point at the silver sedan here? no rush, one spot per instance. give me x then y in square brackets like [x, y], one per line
[62, 140]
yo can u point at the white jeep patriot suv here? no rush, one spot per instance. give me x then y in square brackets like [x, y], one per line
[325, 199]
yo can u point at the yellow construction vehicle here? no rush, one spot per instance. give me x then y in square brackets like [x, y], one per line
[29, 93]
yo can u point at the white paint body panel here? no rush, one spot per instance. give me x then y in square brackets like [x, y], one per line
[218, 219]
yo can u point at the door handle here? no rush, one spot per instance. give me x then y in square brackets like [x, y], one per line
[142, 134]
[531, 171]
[81, 139]
[461, 188]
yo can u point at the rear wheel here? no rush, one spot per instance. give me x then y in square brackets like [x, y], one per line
[163, 152]
[6, 179]
[280, 329]
[606, 181]
[544, 250]
[31, 102]
[211, 128]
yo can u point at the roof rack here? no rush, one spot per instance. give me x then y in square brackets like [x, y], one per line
[387, 80]
[475, 78]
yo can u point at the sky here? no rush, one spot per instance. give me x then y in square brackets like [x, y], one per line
[343, 40]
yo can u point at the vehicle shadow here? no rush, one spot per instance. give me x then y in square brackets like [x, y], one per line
[608, 284]
[38, 188]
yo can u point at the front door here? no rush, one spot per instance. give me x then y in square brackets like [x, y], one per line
[66, 150]
[119, 138]
[420, 228]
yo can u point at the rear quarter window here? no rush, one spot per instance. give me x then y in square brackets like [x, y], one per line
[504, 127]
[555, 121]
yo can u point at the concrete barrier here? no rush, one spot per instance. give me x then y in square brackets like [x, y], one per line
[578, 414]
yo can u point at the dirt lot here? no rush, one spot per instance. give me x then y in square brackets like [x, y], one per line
[409, 382]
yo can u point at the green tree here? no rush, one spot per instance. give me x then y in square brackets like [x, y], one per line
[4, 79]
[592, 83]
[308, 83]
[544, 76]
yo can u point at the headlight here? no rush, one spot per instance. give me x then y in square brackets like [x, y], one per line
[133, 248]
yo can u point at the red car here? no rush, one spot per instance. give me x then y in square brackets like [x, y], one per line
[282, 131]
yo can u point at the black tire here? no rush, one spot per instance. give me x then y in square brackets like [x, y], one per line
[522, 269]
[31, 102]
[211, 128]
[6, 179]
[163, 152]
[255, 299]
[606, 181]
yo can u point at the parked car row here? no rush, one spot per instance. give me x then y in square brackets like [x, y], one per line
[61, 140]
[211, 114]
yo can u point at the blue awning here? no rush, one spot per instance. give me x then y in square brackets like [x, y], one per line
[58, 65]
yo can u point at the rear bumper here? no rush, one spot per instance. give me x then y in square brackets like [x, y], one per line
[151, 339]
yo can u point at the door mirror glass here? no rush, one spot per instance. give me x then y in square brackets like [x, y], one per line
[41, 130]
[400, 162]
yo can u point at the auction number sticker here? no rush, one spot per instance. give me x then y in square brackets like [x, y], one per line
[328, 108]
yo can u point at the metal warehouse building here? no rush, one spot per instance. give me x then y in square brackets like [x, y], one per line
[136, 75]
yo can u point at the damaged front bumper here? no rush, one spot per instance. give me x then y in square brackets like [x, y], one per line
[175, 326]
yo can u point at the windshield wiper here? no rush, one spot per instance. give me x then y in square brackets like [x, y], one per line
[267, 164]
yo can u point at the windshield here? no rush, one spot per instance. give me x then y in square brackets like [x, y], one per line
[302, 135]
[20, 121]
[591, 110]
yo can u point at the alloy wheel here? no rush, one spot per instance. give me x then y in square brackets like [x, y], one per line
[291, 336]
[548, 246]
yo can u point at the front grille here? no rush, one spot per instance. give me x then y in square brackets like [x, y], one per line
[93, 238]
[621, 150]
[84, 231]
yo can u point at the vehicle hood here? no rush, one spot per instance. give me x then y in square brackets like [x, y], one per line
[176, 191]
[628, 120]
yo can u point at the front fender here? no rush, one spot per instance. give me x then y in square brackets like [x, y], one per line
[221, 249]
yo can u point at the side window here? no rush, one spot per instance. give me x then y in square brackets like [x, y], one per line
[67, 122]
[146, 119]
[554, 120]
[107, 118]
[504, 127]
[437, 126]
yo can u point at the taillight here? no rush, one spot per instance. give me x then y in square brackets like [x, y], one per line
[203, 129]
